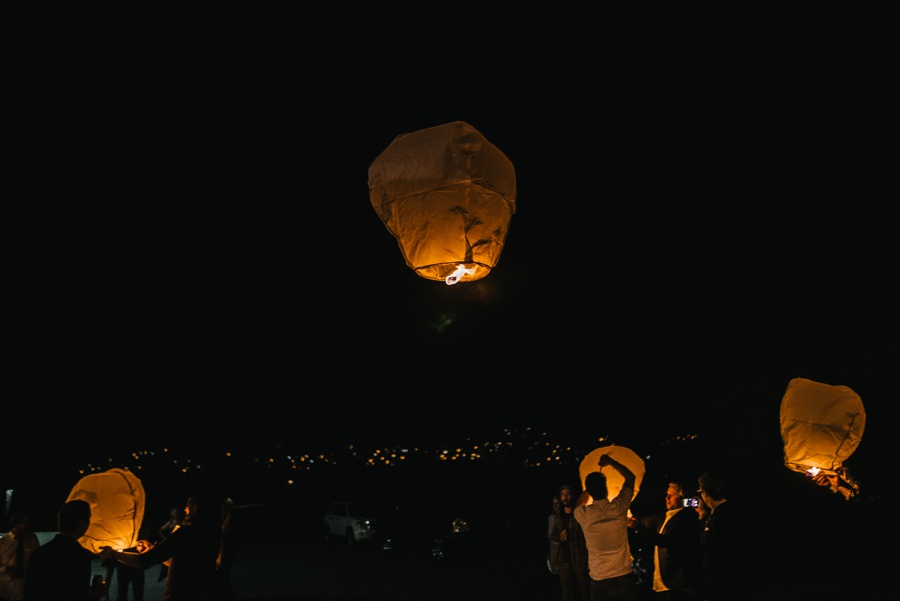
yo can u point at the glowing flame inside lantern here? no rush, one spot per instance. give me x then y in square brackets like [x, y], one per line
[458, 274]
[812, 472]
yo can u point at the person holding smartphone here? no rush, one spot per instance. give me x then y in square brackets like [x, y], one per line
[675, 536]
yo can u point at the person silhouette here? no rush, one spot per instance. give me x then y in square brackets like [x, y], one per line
[192, 549]
[553, 551]
[16, 548]
[61, 568]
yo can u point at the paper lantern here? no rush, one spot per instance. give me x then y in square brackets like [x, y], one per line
[117, 500]
[821, 425]
[614, 480]
[447, 195]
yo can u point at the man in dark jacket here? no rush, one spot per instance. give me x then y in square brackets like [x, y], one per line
[60, 570]
[572, 560]
[724, 543]
[675, 535]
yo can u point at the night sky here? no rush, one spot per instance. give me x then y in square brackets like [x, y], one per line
[200, 258]
[193, 262]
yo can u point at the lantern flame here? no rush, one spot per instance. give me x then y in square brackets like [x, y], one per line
[812, 472]
[457, 275]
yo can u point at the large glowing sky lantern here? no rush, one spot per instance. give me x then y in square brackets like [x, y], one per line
[614, 480]
[821, 425]
[447, 195]
[117, 500]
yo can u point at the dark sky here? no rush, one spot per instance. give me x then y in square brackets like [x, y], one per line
[200, 256]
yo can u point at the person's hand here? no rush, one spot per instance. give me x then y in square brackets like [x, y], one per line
[107, 552]
[582, 498]
[631, 521]
[825, 480]
[604, 460]
[143, 546]
[702, 509]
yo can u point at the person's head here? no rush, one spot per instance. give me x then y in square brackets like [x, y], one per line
[74, 518]
[176, 514]
[595, 484]
[204, 508]
[556, 504]
[712, 487]
[20, 522]
[192, 509]
[567, 495]
[674, 496]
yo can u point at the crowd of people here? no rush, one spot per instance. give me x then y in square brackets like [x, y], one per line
[699, 541]
[194, 547]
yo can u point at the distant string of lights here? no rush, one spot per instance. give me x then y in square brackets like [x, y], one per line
[527, 448]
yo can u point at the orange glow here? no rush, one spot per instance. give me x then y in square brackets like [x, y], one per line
[117, 499]
[821, 425]
[447, 195]
[614, 479]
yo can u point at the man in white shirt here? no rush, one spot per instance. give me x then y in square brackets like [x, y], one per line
[605, 526]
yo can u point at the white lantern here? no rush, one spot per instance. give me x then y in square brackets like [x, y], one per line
[821, 425]
[614, 480]
[117, 500]
[447, 195]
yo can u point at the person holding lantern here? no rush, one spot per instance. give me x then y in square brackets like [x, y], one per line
[839, 483]
[605, 526]
[191, 549]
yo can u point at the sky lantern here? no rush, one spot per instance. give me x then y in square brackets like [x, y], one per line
[447, 195]
[614, 479]
[821, 426]
[117, 499]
